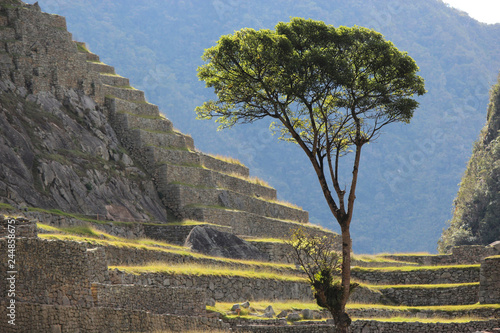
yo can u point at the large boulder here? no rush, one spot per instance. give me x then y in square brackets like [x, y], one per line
[216, 243]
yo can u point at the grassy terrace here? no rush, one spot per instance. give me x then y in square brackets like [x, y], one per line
[227, 159]
[94, 236]
[414, 268]
[380, 259]
[421, 286]
[408, 314]
[204, 270]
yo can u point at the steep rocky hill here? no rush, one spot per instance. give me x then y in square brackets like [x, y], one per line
[57, 147]
[476, 219]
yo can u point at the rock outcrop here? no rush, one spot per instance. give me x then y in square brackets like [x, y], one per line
[216, 243]
[476, 218]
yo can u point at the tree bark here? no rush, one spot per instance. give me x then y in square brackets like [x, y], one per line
[345, 321]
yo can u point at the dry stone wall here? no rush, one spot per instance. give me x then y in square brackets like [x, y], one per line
[49, 272]
[489, 292]
[222, 288]
[161, 300]
[422, 296]
[466, 274]
[364, 326]
[50, 319]
[36, 64]
[461, 255]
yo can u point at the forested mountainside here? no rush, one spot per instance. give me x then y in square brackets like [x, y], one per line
[476, 219]
[409, 176]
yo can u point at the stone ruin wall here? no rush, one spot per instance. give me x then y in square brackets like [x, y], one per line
[375, 327]
[42, 57]
[489, 292]
[62, 284]
[429, 276]
[222, 288]
[460, 255]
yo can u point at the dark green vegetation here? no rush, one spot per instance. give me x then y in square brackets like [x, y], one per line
[407, 196]
[322, 265]
[476, 219]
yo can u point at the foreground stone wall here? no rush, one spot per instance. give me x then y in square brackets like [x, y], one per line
[49, 272]
[160, 300]
[364, 326]
[489, 291]
[49, 319]
[222, 288]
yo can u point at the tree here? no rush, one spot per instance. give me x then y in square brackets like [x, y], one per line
[330, 90]
[322, 265]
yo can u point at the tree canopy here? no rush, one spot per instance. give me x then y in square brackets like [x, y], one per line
[327, 88]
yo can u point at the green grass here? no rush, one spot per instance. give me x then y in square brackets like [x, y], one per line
[404, 308]
[94, 236]
[424, 320]
[265, 240]
[82, 48]
[125, 87]
[421, 286]
[378, 259]
[227, 159]
[493, 257]
[6, 206]
[208, 270]
[415, 254]
[414, 269]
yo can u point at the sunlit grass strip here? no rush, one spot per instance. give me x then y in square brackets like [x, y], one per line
[90, 234]
[412, 309]
[378, 259]
[46, 227]
[153, 245]
[423, 286]
[227, 159]
[250, 179]
[278, 306]
[434, 320]
[265, 240]
[493, 257]
[282, 203]
[412, 254]
[208, 270]
[415, 269]
[6, 206]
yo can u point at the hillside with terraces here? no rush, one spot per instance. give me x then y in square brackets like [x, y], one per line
[103, 192]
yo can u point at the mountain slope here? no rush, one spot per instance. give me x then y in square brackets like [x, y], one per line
[57, 148]
[476, 219]
[408, 178]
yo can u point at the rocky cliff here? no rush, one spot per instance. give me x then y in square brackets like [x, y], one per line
[476, 218]
[58, 149]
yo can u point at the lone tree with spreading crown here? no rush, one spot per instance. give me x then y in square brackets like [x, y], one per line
[330, 90]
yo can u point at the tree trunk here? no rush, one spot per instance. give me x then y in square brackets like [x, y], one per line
[343, 318]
